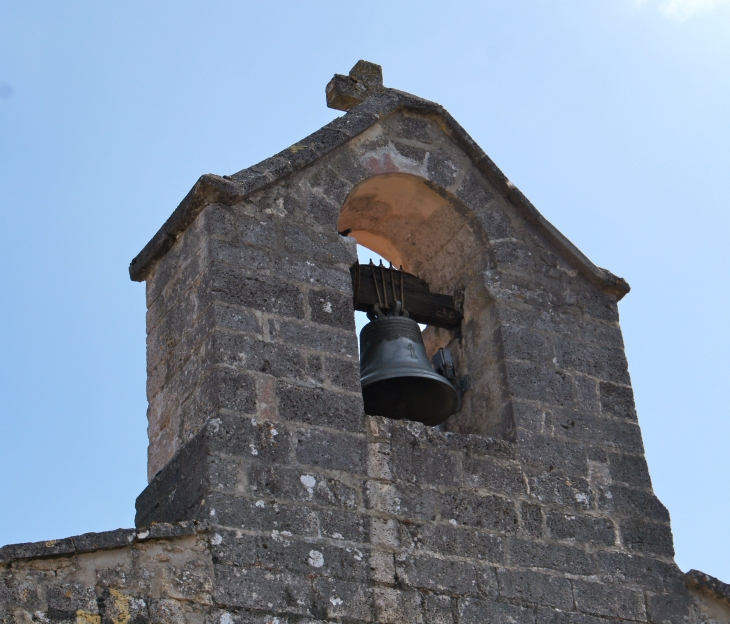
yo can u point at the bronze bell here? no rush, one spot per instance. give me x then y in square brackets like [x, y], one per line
[397, 379]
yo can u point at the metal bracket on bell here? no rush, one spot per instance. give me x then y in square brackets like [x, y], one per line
[443, 364]
[376, 313]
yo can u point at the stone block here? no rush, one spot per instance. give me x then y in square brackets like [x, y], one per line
[332, 308]
[189, 283]
[168, 611]
[531, 588]
[89, 542]
[487, 512]
[328, 183]
[448, 540]
[320, 407]
[344, 525]
[629, 469]
[599, 305]
[514, 256]
[617, 400]
[241, 351]
[248, 438]
[441, 170]
[233, 286]
[552, 452]
[423, 465]
[587, 398]
[393, 606]
[298, 485]
[437, 575]
[64, 601]
[630, 501]
[521, 343]
[547, 615]
[476, 611]
[494, 475]
[251, 260]
[531, 517]
[231, 389]
[175, 338]
[646, 571]
[258, 515]
[332, 277]
[264, 590]
[643, 536]
[336, 598]
[532, 418]
[529, 554]
[609, 600]
[561, 489]
[405, 433]
[579, 528]
[34, 550]
[533, 382]
[331, 451]
[323, 340]
[282, 552]
[437, 609]
[408, 502]
[674, 608]
[598, 361]
[343, 373]
[187, 247]
[237, 319]
[168, 530]
[315, 370]
[115, 606]
[590, 428]
[232, 547]
[254, 230]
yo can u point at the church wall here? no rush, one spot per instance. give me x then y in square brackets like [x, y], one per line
[535, 504]
[273, 499]
[161, 575]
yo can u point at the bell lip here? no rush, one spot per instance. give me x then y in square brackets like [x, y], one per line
[435, 418]
[393, 372]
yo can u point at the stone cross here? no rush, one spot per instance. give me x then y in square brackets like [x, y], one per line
[345, 92]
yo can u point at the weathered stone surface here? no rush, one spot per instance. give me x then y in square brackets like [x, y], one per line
[321, 407]
[585, 529]
[273, 498]
[610, 601]
[534, 588]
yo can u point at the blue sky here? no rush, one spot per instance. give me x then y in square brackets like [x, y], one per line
[610, 115]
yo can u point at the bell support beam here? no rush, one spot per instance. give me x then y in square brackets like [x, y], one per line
[376, 284]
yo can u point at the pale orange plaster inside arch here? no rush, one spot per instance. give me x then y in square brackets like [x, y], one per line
[385, 212]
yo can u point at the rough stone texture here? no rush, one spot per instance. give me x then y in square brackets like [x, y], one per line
[274, 499]
[162, 574]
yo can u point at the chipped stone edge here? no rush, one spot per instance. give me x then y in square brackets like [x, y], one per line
[708, 585]
[227, 190]
[92, 542]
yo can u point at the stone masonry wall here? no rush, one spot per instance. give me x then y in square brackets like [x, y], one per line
[159, 575]
[325, 514]
[273, 499]
[260, 291]
[393, 521]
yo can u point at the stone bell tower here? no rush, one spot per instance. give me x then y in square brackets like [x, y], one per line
[274, 498]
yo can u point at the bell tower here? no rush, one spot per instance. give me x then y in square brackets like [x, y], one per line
[288, 484]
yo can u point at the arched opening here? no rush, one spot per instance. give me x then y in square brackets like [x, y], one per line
[415, 224]
[409, 221]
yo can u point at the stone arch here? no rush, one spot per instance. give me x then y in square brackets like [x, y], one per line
[429, 231]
